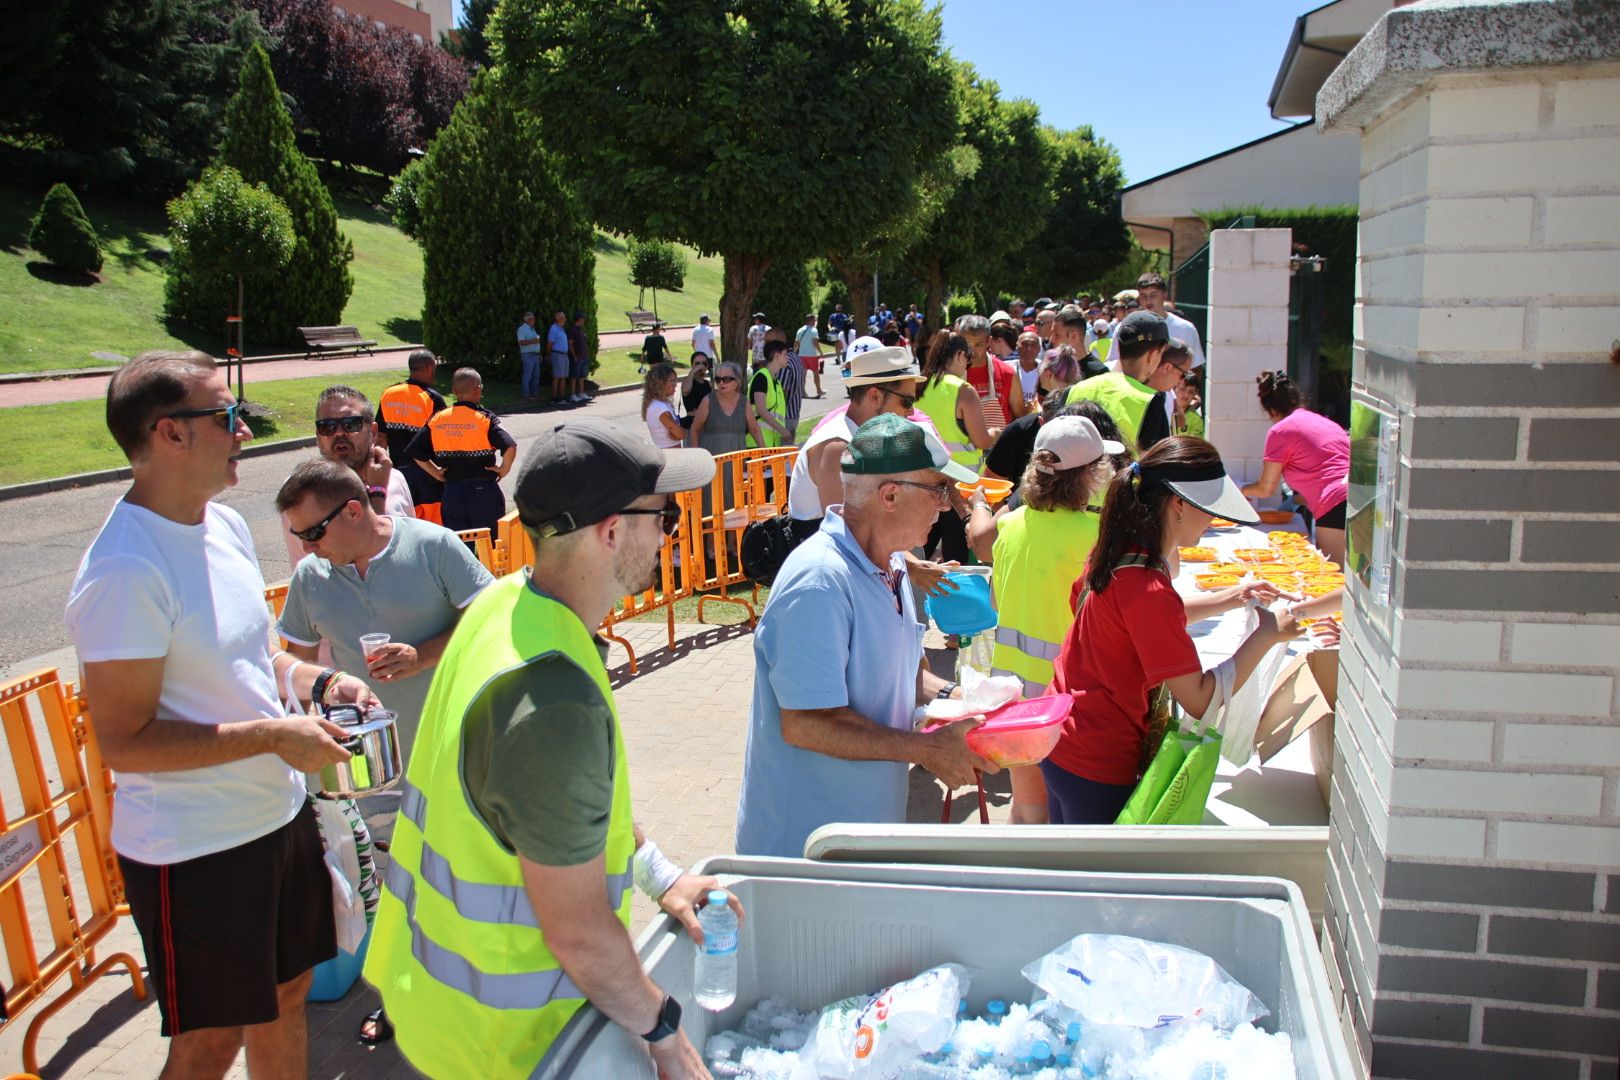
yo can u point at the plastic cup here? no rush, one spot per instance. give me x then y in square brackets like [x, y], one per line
[371, 645]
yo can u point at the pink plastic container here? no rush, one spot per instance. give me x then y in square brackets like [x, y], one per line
[1021, 733]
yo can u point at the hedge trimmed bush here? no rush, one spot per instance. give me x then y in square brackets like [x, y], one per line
[500, 235]
[61, 231]
[784, 296]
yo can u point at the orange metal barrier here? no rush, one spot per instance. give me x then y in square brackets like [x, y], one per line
[748, 486]
[58, 937]
[483, 548]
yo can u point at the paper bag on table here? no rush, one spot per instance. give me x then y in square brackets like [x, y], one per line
[1296, 704]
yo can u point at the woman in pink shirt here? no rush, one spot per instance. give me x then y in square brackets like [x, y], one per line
[1310, 452]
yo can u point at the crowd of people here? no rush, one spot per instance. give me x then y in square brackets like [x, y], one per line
[510, 845]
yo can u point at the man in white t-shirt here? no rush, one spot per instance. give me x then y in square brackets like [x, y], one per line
[1151, 293]
[756, 338]
[808, 345]
[222, 863]
[703, 339]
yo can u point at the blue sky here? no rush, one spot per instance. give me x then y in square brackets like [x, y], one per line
[1166, 81]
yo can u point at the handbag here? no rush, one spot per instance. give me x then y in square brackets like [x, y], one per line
[1176, 783]
[765, 546]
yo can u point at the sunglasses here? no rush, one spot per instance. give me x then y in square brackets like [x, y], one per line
[908, 400]
[721, 380]
[671, 516]
[314, 533]
[349, 425]
[228, 415]
[942, 492]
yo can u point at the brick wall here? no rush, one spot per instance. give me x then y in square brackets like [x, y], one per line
[1248, 334]
[1187, 235]
[1473, 923]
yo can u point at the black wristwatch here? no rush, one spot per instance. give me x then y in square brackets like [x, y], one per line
[947, 690]
[669, 1021]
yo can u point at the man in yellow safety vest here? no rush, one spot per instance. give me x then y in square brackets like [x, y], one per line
[507, 904]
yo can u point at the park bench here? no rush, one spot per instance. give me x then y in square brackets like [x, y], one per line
[642, 320]
[329, 339]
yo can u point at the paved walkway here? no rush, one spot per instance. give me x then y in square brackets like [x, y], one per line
[88, 387]
[685, 720]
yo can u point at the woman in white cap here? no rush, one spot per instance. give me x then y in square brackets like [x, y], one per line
[1129, 635]
[1040, 549]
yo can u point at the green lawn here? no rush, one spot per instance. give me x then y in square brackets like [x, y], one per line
[68, 438]
[46, 324]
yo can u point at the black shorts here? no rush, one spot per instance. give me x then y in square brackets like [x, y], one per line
[222, 931]
[1333, 519]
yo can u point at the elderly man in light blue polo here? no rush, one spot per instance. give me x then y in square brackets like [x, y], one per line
[838, 660]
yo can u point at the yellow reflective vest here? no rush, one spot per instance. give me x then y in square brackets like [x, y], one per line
[938, 403]
[775, 402]
[1037, 556]
[456, 950]
[1121, 396]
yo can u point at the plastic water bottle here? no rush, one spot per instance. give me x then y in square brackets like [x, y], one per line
[1209, 1070]
[995, 1010]
[714, 974]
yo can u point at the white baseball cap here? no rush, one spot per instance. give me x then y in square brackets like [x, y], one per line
[1075, 441]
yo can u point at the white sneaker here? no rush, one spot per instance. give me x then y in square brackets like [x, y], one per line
[579, 398]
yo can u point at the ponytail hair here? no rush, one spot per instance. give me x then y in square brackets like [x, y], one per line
[1134, 512]
[1279, 395]
[942, 347]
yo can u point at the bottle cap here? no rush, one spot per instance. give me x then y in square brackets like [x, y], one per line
[1042, 1050]
[719, 897]
[996, 1006]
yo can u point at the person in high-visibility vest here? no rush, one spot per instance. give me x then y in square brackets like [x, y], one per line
[953, 406]
[467, 449]
[1040, 548]
[404, 410]
[767, 399]
[506, 906]
[1139, 343]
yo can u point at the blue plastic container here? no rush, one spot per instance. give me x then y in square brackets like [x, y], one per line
[334, 977]
[968, 610]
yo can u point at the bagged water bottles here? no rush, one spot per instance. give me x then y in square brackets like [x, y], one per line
[1114, 979]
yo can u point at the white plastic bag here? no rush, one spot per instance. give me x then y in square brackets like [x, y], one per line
[1239, 717]
[343, 865]
[1115, 979]
[876, 1035]
[981, 694]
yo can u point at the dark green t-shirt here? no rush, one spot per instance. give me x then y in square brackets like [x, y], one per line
[537, 760]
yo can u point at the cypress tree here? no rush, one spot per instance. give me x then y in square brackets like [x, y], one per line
[500, 235]
[259, 143]
[61, 231]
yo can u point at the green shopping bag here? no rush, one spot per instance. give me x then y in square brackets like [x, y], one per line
[1175, 786]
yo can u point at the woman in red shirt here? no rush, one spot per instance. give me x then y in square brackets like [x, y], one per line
[1130, 632]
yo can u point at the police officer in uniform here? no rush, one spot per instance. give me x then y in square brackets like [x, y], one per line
[467, 449]
[404, 410]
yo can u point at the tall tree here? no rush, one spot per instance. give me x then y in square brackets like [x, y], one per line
[775, 135]
[969, 241]
[500, 234]
[470, 42]
[126, 91]
[1084, 236]
[314, 287]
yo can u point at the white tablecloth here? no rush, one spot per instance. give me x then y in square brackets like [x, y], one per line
[1283, 791]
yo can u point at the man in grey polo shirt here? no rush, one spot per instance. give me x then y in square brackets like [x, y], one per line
[831, 739]
[371, 573]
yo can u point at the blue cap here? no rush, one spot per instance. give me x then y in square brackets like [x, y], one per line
[1042, 1050]
[986, 1052]
[996, 1006]
[719, 897]
[1073, 1031]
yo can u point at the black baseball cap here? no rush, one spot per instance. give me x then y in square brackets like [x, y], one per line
[1141, 327]
[582, 471]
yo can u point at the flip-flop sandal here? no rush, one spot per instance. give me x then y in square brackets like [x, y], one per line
[380, 1029]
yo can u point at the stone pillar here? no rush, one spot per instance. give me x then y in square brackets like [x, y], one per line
[1473, 922]
[1248, 334]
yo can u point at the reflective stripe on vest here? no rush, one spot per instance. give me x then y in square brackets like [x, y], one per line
[405, 406]
[938, 403]
[1031, 687]
[1029, 646]
[461, 431]
[474, 900]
